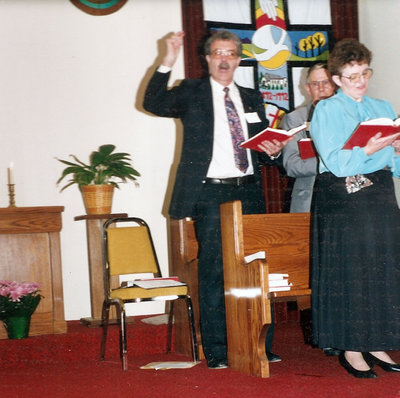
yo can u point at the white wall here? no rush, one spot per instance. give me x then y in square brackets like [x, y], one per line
[379, 31]
[69, 83]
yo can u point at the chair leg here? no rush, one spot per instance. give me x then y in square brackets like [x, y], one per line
[105, 314]
[124, 350]
[170, 325]
[192, 328]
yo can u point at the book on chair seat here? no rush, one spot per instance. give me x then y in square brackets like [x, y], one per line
[365, 130]
[270, 134]
[154, 283]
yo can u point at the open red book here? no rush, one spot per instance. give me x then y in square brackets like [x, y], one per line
[365, 130]
[270, 134]
[306, 148]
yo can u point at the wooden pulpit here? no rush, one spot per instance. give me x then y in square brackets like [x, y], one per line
[184, 249]
[30, 251]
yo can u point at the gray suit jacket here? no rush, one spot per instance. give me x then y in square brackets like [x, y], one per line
[303, 170]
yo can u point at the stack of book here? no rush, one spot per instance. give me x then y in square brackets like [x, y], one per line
[279, 282]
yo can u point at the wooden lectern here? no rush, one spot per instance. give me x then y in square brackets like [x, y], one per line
[184, 249]
[30, 251]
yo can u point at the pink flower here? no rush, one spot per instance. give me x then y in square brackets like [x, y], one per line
[17, 290]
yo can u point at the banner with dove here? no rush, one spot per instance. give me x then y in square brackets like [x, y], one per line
[281, 38]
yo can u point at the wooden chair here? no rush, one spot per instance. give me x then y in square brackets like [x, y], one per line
[284, 237]
[128, 249]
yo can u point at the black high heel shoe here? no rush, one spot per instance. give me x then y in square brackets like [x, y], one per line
[360, 374]
[386, 366]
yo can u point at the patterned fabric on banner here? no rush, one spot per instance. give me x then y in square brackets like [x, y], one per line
[281, 39]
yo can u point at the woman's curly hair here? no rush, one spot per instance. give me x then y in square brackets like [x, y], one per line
[345, 52]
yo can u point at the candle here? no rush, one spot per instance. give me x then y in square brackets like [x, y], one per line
[11, 173]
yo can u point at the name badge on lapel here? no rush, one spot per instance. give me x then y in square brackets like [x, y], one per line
[252, 117]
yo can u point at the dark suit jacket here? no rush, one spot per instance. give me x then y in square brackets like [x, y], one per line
[191, 101]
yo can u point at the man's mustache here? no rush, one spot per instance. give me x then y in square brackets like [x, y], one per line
[224, 65]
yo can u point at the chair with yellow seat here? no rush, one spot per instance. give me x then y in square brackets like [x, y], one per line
[128, 249]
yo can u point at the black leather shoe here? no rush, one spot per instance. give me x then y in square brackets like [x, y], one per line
[215, 363]
[386, 366]
[273, 357]
[331, 352]
[360, 374]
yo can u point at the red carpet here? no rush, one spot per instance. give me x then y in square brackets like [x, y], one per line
[59, 366]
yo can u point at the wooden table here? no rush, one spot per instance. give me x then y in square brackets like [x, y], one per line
[94, 225]
[30, 251]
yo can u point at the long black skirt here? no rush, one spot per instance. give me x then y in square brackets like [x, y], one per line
[356, 265]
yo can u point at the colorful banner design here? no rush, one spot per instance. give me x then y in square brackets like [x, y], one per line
[99, 7]
[273, 46]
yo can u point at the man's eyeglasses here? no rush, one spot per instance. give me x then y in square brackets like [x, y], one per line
[355, 77]
[318, 84]
[218, 53]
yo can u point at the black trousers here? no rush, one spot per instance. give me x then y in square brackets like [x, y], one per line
[210, 274]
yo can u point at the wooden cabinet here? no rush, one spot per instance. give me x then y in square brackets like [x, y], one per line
[30, 251]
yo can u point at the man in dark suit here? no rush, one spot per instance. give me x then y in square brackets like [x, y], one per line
[210, 172]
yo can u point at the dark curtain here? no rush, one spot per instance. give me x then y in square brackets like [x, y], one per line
[344, 19]
[195, 31]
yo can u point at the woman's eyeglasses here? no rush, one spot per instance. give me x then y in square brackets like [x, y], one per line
[355, 77]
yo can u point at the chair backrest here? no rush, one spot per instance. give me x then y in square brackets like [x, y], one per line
[129, 249]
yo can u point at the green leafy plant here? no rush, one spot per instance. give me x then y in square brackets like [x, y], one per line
[105, 167]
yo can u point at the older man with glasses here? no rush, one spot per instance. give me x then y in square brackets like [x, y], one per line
[318, 86]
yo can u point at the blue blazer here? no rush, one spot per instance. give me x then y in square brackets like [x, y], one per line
[191, 102]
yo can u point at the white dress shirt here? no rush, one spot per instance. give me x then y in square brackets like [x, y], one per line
[222, 163]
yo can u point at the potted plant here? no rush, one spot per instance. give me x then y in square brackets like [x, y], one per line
[18, 301]
[97, 180]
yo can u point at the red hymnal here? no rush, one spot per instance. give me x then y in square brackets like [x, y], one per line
[365, 130]
[270, 134]
[306, 148]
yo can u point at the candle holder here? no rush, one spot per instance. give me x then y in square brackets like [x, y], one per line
[11, 194]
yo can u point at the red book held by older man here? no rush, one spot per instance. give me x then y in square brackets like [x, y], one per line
[365, 130]
[306, 148]
[270, 134]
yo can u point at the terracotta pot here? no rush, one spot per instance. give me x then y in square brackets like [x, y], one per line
[97, 198]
